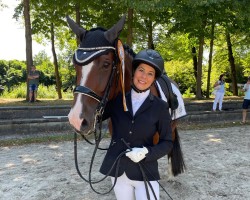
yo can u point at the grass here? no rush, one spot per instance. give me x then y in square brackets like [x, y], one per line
[40, 102]
[226, 98]
[46, 102]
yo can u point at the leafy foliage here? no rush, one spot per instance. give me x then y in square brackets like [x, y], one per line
[12, 73]
[174, 27]
[178, 70]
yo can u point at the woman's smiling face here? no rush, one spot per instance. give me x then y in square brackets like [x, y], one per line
[144, 76]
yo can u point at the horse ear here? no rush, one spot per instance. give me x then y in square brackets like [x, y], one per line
[114, 32]
[79, 31]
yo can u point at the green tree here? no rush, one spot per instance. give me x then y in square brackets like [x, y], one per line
[28, 33]
[13, 73]
[48, 18]
[25, 7]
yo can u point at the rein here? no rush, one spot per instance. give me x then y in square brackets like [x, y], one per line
[97, 121]
[89, 180]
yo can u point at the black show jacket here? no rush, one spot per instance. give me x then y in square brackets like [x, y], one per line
[138, 131]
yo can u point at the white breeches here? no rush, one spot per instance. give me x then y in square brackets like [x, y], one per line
[218, 98]
[126, 189]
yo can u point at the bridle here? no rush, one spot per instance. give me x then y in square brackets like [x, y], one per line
[88, 92]
[102, 101]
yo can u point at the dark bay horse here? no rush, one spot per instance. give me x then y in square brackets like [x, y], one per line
[103, 69]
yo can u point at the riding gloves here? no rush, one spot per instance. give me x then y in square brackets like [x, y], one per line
[137, 154]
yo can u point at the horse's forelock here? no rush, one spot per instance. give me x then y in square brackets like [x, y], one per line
[129, 50]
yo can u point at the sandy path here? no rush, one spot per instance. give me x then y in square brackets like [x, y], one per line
[218, 162]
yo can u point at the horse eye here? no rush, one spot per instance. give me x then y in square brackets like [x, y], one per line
[106, 65]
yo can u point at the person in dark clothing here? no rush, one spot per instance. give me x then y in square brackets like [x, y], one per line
[246, 101]
[133, 131]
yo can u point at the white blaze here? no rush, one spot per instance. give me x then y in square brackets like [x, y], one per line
[75, 112]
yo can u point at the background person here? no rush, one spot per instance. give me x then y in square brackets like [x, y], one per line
[33, 77]
[219, 86]
[246, 100]
[135, 128]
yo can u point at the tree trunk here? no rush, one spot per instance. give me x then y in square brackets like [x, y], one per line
[130, 27]
[78, 16]
[232, 64]
[28, 40]
[199, 68]
[200, 59]
[194, 62]
[58, 79]
[150, 34]
[210, 60]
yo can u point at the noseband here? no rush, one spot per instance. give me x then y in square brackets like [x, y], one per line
[88, 92]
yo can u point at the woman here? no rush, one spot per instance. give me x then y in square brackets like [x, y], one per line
[133, 130]
[220, 91]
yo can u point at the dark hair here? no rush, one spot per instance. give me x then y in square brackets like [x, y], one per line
[221, 76]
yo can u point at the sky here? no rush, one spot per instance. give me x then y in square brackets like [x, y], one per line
[12, 35]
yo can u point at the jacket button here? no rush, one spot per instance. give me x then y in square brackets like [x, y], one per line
[130, 132]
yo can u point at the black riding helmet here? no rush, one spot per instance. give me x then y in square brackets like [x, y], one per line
[150, 57]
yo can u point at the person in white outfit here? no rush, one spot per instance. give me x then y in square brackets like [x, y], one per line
[219, 86]
[246, 101]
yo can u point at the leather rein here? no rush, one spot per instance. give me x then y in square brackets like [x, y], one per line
[102, 101]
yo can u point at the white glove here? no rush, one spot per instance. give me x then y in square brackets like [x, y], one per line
[137, 154]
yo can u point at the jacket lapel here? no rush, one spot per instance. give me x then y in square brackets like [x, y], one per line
[129, 103]
[146, 104]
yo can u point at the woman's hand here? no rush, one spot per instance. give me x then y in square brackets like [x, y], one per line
[137, 154]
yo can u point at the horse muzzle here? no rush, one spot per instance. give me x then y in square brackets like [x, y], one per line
[86, 129]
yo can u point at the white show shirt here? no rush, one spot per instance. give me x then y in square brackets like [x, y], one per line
[137, 99]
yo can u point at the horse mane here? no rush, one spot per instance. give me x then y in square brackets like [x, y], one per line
[129, 56]
[129, 50]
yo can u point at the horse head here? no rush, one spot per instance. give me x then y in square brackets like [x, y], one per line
[94, 62]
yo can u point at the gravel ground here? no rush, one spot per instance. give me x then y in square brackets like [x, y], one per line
[217, 159]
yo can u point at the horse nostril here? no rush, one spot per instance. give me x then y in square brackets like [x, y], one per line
[85, 128]
[84, 123]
